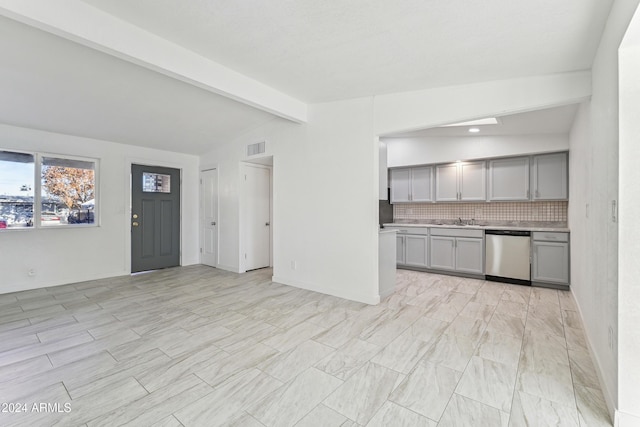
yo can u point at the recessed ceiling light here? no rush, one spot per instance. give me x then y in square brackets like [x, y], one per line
[474, 130]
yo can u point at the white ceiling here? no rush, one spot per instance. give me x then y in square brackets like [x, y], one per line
[556, 120]
[53, 84]
[336, 49]
[311, 50]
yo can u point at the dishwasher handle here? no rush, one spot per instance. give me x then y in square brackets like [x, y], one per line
[508, 232]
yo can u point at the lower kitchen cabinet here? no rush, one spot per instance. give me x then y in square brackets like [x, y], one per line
[416, 249]
[550, 262]
[469, 253]
[463, 251]
[550, 258]
[400, 241]
[412, 246]
[443, 253]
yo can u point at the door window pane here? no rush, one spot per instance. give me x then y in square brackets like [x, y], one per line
[16, 189]
[156, 183]
[68, 192]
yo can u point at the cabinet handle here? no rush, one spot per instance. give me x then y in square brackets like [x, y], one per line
[528, 196]
[613, 211]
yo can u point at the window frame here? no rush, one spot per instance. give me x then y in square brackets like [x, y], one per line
[37, 191]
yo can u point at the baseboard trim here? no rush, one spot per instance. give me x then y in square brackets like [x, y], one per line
[228, 268]
[340, 293]
[608, 397]
[39, 285]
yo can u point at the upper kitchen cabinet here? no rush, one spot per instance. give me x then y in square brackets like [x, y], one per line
[461, 181]
[550, 177]
[411, 185]
[509, 179]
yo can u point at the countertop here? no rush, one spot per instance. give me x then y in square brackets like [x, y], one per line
[385, 231]
[486, 225]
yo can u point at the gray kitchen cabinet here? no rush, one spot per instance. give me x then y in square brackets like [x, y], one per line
[550, 258]
[447, 183]
[412, 246]
[473, 181]
[443, 253]
[416, 250]
[400, 242]
[457, 249]
[550, 177]
[411, 184]
[509, 179]
[461, 181]
[421, 184]
[400, 185]
[469, 253]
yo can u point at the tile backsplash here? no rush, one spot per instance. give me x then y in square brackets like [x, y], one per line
[494, 211]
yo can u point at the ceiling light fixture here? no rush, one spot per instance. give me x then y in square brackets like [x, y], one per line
[474, 130]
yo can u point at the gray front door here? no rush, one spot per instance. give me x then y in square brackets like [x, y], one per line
[155, 218]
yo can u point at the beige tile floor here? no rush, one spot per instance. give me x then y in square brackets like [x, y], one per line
[196, 346]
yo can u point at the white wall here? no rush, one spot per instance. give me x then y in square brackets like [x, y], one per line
[325, 192]
[594, 182]
[62, 256]
[426, 150]
[629, 243]
[408, 111]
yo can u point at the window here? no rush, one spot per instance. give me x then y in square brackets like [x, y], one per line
[64, 194]
[67, 192]
[156, 183]
[16, 189]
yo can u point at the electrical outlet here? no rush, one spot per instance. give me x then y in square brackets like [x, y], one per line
[293, 265]
[32, 272]
[409, 211]
[478, 212]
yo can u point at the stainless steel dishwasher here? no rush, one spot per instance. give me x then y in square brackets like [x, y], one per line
[508, 256]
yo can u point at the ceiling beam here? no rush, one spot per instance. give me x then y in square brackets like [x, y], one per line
[89, 26]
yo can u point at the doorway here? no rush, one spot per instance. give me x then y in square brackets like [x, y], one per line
[155, 217]
[209, 197]
[256, 217]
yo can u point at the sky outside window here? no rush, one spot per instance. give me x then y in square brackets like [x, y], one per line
[16, 179]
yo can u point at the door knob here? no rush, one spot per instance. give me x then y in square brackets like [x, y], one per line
[213, 223]
[135, 216]
[267, 224]
[135, 223]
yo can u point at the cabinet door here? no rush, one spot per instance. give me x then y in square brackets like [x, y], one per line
[400, 185]
[416, 250]
[550, 177]
[472, 181]
[469, 255]
[447, 183]
[421, 184]
[550, 262]
[509, 179]
[442, 253]
[400, 250]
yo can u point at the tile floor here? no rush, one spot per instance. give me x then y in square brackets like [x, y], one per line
[196, 346]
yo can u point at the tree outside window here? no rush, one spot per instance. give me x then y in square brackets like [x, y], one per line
[68, 191]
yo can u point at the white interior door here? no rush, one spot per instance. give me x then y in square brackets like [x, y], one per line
[209, 180]
[257, 217]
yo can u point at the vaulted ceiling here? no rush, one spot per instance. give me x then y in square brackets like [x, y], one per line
[61, 71]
